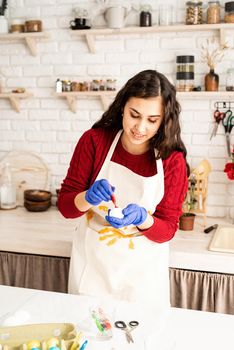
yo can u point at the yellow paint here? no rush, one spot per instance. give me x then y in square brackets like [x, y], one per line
[112, 241]
[89, 215]
[103, 208]
[131, 244]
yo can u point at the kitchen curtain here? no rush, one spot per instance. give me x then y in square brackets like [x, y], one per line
[206, 291]
[34, 271]
[196, 290]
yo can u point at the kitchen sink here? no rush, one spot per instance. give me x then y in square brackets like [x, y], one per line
[223, 239]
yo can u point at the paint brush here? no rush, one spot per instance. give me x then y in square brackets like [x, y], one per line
[114, 200]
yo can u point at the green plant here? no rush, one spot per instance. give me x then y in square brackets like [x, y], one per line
[3, 7]
[190, 201]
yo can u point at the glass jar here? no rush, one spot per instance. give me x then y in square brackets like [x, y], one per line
[66, 85]
[213, 12]
[229, 12]
[185, 73]
[145, 16]
[7, 189]
[111, 84]
[230, 80]
[194, 12]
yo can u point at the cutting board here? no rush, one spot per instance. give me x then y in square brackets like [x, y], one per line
[29, 171]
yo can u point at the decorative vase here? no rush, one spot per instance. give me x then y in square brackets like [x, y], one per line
[211, 81]
[3, 25]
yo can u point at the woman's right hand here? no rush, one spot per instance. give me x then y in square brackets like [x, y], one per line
[101, 190]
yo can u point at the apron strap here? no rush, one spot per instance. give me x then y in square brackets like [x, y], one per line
[113, 145]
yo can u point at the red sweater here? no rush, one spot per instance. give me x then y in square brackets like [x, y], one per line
[86, 162]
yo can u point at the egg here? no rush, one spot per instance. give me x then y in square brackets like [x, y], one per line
[116, 212]
[34, 344]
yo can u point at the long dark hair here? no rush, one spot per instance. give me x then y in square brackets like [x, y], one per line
[145, 84]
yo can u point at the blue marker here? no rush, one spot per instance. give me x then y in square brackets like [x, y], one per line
[83, 346]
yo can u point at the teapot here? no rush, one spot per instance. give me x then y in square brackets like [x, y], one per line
[116, 16]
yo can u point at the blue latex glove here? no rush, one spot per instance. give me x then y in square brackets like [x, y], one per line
[133, 214]
[100, 191]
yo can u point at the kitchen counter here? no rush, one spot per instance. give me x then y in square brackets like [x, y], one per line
[182, 329]
[48, 233]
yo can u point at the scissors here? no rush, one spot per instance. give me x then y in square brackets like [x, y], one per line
[128, 328]
[218, 116]
[228, 123]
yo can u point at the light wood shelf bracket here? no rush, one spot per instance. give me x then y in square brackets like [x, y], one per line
[31, 42]
[15, 98]
[71, 97]
[29, 38]
[72, 103]
[90, 42]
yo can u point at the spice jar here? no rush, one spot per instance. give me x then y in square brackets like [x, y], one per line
[213, 12]
[145, 16]
[111, 84]
[230, 80]
[194, 12]
[185, 73]
[229, 12]
[66, 85]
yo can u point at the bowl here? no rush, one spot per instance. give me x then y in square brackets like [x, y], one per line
[37, 195]
[37, 206]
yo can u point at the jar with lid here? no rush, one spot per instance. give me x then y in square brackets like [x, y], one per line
[185, 73]
[229, 12]
[111, 84]
[66, 85]
[194, 12]
[230, 80]
[213, 12]
[145, 16]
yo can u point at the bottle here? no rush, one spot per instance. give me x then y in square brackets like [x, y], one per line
[58, 85]
[7, 189]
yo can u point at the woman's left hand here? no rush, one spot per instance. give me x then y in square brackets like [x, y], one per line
[133, 215]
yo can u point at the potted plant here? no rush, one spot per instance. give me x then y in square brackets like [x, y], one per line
[212, 53]
[186, 222]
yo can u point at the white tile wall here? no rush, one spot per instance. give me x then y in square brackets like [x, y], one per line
[47, 127]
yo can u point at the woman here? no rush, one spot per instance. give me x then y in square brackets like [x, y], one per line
[136, 153]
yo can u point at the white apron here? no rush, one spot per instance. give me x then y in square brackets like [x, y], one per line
[121, 263]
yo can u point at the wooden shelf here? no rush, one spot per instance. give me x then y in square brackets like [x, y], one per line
[14, 98]
[29, 38]
[105, 96]
[72, 96]
[205, 94]
[90, 34]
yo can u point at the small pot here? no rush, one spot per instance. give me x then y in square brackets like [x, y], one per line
[187, 221]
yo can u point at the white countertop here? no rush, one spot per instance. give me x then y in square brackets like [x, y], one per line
[48, 233]
[183, 329]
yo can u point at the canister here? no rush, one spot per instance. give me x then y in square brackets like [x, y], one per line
[229, 12]
[185, 73]
[213, 12]
[194, 12]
